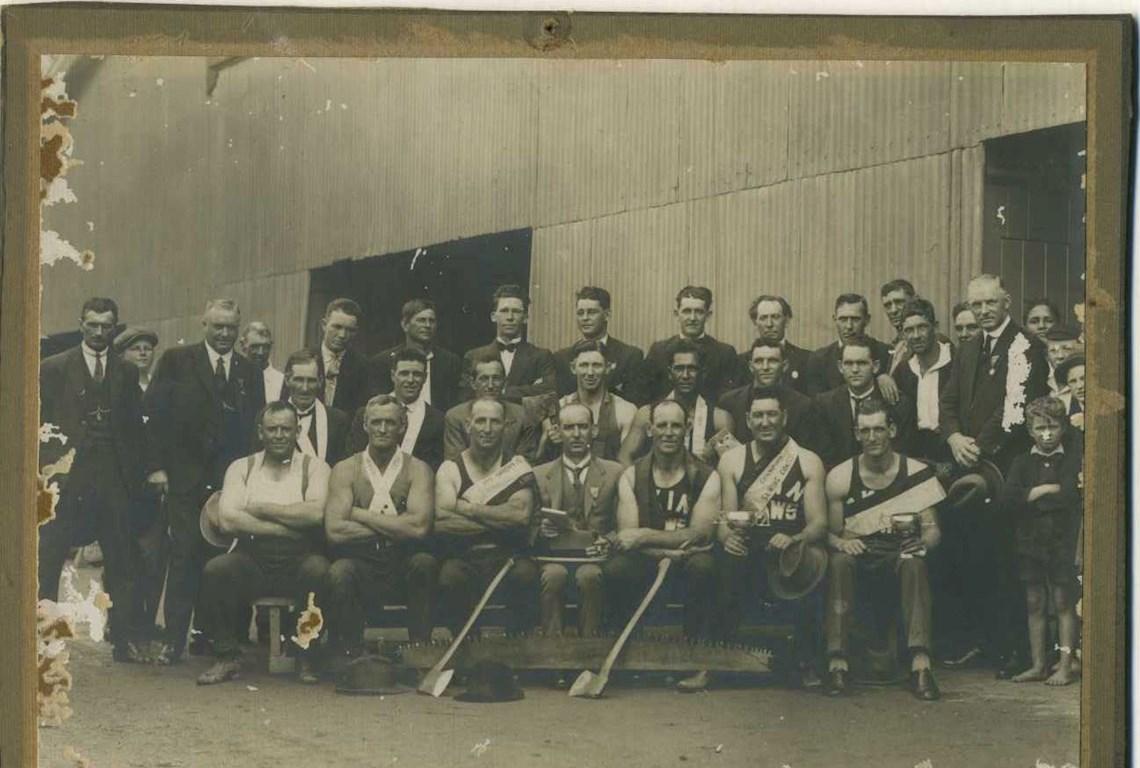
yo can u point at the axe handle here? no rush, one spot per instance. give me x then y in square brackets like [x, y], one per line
[451, 649]
[662, 569]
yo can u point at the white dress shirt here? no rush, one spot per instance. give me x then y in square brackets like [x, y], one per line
[507, 355]
[227, 360]
[274, 380]
[416, 412]
[927, 394]
[89, 356]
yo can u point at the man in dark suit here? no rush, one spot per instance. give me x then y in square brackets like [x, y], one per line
[530, 369]
[922, 377]
[520, 432]
[851, 318]
[419, 320]
[835, 409]
[423, 437]
[94, 400]
[592, 313]
[693, 310]
[767, 368]
[323, 431]
[974, 417]
[770, 315]
[201, 406]
[343, 369]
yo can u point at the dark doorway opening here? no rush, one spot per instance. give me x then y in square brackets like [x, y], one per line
[458, 276]
[1034, 220]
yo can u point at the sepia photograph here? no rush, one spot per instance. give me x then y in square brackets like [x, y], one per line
[632, 410]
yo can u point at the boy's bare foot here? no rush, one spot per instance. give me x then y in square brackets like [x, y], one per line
[1075, 665]
[1063, 676]
[1031, 675]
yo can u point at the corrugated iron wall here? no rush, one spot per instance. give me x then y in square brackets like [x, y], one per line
[807, 178]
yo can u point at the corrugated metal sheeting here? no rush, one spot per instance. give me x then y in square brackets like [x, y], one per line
[641, 173]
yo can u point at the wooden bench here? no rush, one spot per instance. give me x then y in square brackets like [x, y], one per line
[279, 663]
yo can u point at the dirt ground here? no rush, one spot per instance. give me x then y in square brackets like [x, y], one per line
[146, 717]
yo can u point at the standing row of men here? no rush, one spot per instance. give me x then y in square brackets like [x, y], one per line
[465, 418]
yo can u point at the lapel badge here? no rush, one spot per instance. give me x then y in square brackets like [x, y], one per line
[795, 374]
[594, 491]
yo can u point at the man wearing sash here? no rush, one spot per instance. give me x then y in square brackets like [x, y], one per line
[484, 507]
[612, 415]
[668, 503]
[583, 486]
[380, 505]
[273, 504]
[781, 485]
[882, 523]
[323, 429]
[710, 426]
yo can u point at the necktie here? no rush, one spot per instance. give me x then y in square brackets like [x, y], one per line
[332, 370]
[220, 375]
[579, 507]
[98, 366]
[988, 347]
[509, 346]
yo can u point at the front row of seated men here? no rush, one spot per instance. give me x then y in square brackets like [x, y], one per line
[393, 532]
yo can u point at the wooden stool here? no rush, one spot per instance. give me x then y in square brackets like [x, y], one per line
[279, 663]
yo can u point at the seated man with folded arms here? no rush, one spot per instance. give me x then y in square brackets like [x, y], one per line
[583, 486]
[772, 488]
[484, 507]
[273, 503]
[380, 508]
[668, 502]
[882, 523]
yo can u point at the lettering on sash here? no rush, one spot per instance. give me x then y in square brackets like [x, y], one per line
[485, 490]
[761, 497]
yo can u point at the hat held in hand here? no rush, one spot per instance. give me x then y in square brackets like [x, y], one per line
[797, 571]
[981, 482]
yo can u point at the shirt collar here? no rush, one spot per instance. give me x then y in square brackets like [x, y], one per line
[576, 467]
[870, 391]
[943, 359]
[510, 343]
[328, 354]
[305, 414]
[88, 352]
[1060, 449]
[997, 332]
[215, 354]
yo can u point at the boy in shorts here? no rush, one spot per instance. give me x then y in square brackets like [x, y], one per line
[1042, 493]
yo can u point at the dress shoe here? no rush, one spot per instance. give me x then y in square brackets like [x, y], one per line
[968, 660]
[837, 682]
[923, 685]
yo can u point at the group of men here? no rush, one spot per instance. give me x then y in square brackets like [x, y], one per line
[417, 475]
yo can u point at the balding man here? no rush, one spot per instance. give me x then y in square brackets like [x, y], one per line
[256, 343]
[981, 413]
[201, 406]
[770, 316]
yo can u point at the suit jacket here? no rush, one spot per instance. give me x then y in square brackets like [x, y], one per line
[336, 445]
[353, 381]
[801, 425]
[973, 402]
[446, 368]
[795, 367]
[599, 502]
[532, 371]
[429, 442]
[520, 433]
[64, 379]
[837, 441]
[719, 360]
[626, 360]
[823, 366]
[186, 420]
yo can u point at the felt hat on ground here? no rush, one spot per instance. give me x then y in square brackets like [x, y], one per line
[797, 571]
[491, 681]
[370, 676]
[980, 482]
[131, 334]
[208, 525]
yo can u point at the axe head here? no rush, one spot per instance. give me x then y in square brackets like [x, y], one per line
[435, 682]
[589, 685]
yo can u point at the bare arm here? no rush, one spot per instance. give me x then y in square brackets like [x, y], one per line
[416, 521]
[817, 512]
[233, 517]
[340, 528]
[703, 519]
[514, 513]
[304, 514]
[835, 488]
[634, 441]
[447, 520]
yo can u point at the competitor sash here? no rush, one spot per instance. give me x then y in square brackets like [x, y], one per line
[872, 514]
[768, 483]
[700, 424]
[381, 482]
[505, 478]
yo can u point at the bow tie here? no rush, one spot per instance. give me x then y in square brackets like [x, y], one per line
[509, 346]
[306, 414]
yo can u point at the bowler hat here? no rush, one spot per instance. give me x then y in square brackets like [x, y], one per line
[797, 570]
[131, 334]
[1061, 374]
[491, 681]
[370, 676]
[208, 526]
[981, 481]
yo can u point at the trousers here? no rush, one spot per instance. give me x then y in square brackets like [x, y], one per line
[188, 555]
[628, 576]
[905, 583]
[588, 580]
[359, 582]
[95, 500]
[464, 577]
[231, 582]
